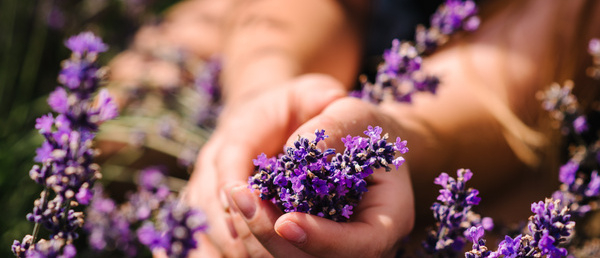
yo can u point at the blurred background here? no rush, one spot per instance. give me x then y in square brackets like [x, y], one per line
[32, 34]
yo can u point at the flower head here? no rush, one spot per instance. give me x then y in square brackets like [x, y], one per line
[322, 182]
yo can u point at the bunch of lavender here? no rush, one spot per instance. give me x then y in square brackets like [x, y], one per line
[549, 228]
[454, 215]
[399, 76]
[67, 172]
[152, 217]
[303, 180]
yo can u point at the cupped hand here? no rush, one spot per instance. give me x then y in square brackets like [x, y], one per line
[382, 219]
[257, 124]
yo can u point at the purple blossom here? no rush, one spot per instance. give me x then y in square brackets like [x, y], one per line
[58, 100]
[399, 76]
[454, 16]
[67, 171]
[44, 123]
[152, 216]
[322, 182]
[568, 172]
[451, 17]
[454, 215]
[580, 124]
[106, 108]
[86, 43]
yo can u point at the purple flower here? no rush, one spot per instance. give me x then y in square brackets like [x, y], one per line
[151, 178]
[510, 247]
[399, 76]
[67, 171]
[593, 187]
[58, 100]
[44, 123]
[86, 43]
[454, 216]
[580, 124]
[107, 108]
[568, 171]
[322, 182]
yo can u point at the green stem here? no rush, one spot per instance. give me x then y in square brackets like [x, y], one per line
[36, 228]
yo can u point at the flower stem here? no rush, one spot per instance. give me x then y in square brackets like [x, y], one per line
[36, 227]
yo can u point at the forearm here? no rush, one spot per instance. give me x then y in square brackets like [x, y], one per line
[270, 41]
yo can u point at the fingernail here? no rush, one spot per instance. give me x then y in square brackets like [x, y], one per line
[291, 232]
[244, 201]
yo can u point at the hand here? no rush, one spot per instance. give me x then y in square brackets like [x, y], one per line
[246, 129]
[384, 216]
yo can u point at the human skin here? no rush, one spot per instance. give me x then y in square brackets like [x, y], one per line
[479, 119]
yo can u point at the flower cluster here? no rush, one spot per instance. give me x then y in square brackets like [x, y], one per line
[549, 227]
[451, 17]
[454, 215]
[580, 182]
[67, 171]
[399, 76]
[324, 183]
[152, 216]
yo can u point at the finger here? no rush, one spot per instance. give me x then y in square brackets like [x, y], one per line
[253, 246]
[201, 192]
[249, 136]
[260, 216]
[205, 248]
[375, 229]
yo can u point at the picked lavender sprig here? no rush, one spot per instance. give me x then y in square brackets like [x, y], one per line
[303, 180]
[67, 171]
[454, 215]
[549, 227]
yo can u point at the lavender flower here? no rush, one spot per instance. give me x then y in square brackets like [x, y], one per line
[108, 228]
[54, 248]
[66, 155]
[549, 227]
[454, 215]
[451, 17]
[175, 229]
[579, 179]
[399, 76]
[152, 216]
[303, 180]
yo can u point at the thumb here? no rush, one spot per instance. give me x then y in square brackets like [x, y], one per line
[326, 238]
